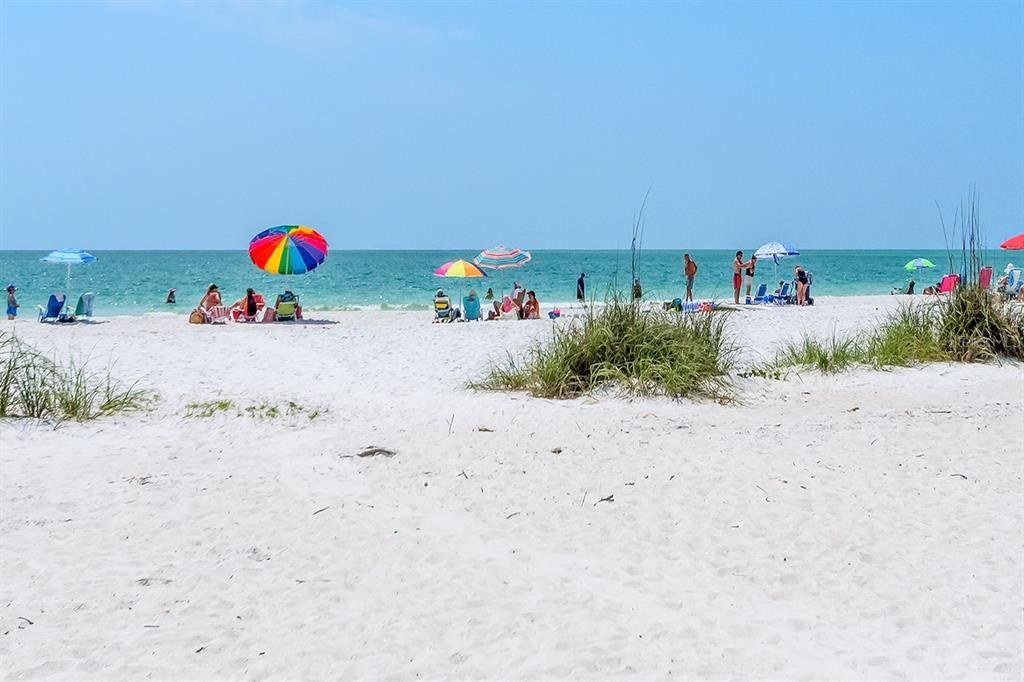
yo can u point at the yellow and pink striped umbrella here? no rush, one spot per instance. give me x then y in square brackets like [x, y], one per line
[459, 268]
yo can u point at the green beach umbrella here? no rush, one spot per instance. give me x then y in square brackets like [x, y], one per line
[919, 263]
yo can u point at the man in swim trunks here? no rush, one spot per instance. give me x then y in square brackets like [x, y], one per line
[690, 270]
[737, 275]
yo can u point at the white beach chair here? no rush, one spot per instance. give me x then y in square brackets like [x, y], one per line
[218, 314]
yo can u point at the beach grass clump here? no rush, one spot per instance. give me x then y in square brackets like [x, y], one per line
[828, 356]
[975, 326]
[643, 353]
[207, 408]
[908, 336]
[970, 325]
[33, 386]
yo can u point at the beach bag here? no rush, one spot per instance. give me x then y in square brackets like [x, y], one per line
[196, 317]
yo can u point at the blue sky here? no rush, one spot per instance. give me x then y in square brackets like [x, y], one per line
[435, 125]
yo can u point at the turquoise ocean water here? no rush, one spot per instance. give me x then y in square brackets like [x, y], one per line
[131, 282]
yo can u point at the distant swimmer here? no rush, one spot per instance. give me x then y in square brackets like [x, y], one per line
[170, 295]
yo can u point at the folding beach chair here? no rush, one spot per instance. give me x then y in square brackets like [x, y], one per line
[762, 293]
[84, 307]
[985, 278]
[218, 314]
[471, 308]
[1012, 287]
[443, 309]
[948, 283]
[780, 297]
[52, 311]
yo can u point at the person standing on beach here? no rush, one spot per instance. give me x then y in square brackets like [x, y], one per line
[581, 288]
[12, 302]
[690, 270]
[737, 276]
[751, 268]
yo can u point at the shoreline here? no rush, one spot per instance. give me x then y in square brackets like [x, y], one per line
[572, 306]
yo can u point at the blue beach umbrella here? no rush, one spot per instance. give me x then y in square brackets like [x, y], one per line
[68, 257]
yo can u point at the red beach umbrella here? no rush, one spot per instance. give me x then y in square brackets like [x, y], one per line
[1013, 243]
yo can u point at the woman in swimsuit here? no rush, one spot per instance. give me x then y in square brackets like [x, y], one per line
[751, 268]
[251, 308]
[801, 284]
[211, 298]
[12, 302]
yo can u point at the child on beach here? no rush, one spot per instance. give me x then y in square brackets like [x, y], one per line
[12, 302]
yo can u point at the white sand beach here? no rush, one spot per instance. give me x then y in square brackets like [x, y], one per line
[865, 526]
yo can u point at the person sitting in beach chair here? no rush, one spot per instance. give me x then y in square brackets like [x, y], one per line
[901, 292]
[471, 306]
[531, 309]
[781, 295]
[249, 308]
[506, 310]
[287, 308]
[442, 307]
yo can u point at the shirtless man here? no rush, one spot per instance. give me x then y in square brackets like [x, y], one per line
[737, 275]
[690, 270]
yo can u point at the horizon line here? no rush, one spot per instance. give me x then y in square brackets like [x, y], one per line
[364, 249]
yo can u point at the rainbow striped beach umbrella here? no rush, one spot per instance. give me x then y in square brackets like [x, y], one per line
[501, 257]
[288, 249]
[459, 268]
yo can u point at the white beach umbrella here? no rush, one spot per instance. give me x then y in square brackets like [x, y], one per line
[776, 251]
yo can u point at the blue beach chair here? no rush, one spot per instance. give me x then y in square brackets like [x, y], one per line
[780, 297]
[471, 308]
[762, 293]
[52, 311]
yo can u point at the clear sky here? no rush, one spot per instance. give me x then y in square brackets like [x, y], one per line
[540, 125]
